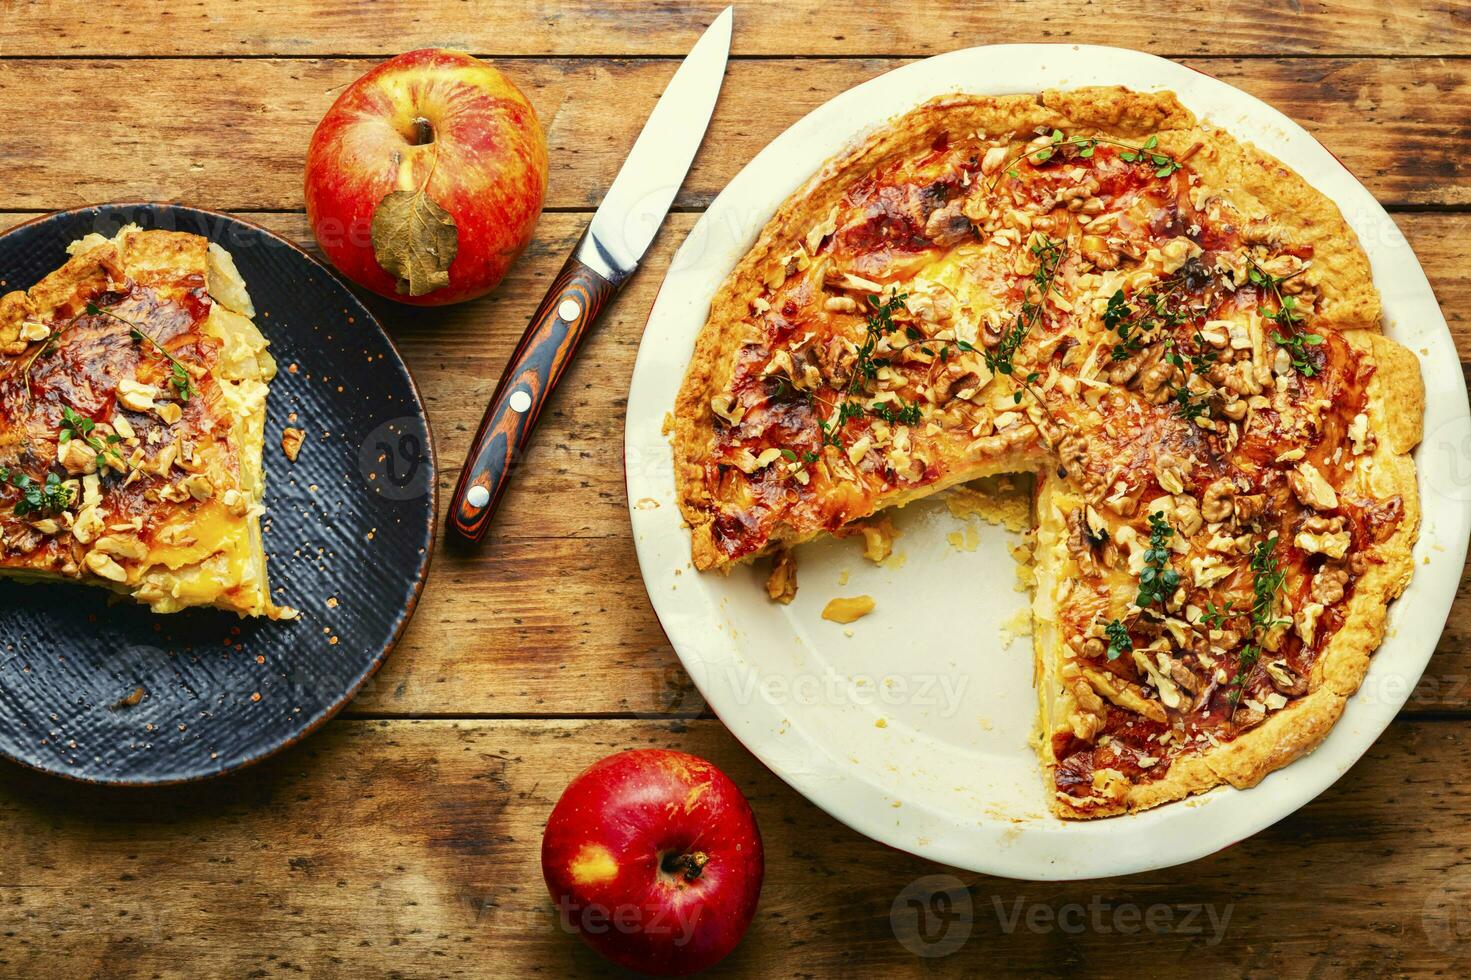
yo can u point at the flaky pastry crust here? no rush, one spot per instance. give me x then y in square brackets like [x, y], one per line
[1197, 376]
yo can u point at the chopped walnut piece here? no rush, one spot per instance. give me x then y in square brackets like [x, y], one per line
[1307, 622]
[1096, 250]
[1285, 679]
[1311, 488]
[748, 462]
[76, 457]
[235, 502]
[200, 487]
[1250, 506]
[1171, 472]
[1081, 542]
[122, 546]
[1154, 381]
[1157, 674]
[948, 226]
[136, 396]
[1249, 715]
[1187, 515]
[732, 414]
[102, 565]
[1087, 718]
[291, 440]
[781, 584]
[88, 524]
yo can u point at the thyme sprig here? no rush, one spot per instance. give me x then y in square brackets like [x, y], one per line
[49, 497]
[1189, 403]
[879, 324]
[1049, 254]
[1154, 313]
[74, 426]
[1289, 319]
[1157, 580]
[906, 414]
[1164, 164]
[1217, 616]
[179, 377]
[1119, 641]
[1267, 582]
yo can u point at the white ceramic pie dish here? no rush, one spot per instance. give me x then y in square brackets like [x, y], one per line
[914, 729]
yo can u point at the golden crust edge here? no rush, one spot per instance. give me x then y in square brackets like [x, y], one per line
[1395, 403]
[1352, 304]
[1100, 108]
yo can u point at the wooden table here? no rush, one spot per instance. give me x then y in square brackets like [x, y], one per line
[404, 838]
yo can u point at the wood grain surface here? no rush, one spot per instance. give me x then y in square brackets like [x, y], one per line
[765, 27]
[190, 128]
[410, 848]
[403, 839]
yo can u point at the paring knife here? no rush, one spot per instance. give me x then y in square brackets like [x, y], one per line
[604, 259]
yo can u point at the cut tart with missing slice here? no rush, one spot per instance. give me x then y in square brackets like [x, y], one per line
[1173, 330]
[133, 387]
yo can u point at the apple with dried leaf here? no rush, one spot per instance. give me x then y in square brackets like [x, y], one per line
[425, 178]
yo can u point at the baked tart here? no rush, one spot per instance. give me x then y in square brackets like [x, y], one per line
[133, 387]
[1171, 329]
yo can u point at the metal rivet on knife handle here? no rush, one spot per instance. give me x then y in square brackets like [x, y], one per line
[607, 255]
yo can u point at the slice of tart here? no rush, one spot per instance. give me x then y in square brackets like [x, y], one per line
[133, 388]
[1174, 331]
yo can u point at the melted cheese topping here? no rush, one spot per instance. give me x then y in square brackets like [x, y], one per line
[1107, 319]
[142, 395]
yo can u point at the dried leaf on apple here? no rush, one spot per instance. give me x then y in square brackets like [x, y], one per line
[414, 240]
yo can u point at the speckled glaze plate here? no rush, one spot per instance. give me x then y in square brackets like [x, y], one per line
[348, 529]
[913, 726]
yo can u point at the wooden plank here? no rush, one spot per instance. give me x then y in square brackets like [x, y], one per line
[551, 616]
[117, 130]
[412, 849]
[763, 27]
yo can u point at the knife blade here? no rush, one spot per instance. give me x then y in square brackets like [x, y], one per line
[606, 256]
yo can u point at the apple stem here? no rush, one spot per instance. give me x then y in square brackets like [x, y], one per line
[690, 865]
[423, 132]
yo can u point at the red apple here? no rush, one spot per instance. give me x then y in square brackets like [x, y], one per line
[654, 858]
[426, 177]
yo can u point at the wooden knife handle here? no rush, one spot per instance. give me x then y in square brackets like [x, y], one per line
[576, 297]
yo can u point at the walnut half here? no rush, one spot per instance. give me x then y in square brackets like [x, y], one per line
[291, 441]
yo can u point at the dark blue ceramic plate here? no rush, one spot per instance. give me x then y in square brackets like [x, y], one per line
[349, 528]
